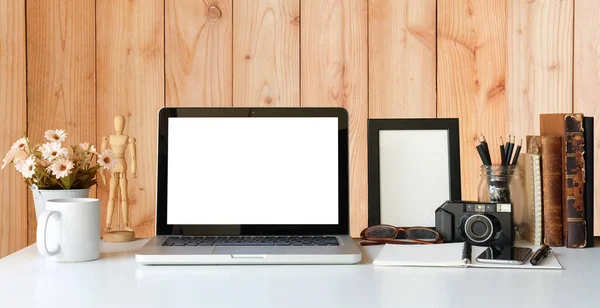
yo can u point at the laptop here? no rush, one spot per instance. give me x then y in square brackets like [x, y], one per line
[252, 186]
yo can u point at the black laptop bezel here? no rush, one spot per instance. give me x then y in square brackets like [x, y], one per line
[162, 228]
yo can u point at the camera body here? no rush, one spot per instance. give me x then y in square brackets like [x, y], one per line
[478, 223]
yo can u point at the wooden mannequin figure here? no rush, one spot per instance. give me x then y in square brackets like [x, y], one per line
[119, 143]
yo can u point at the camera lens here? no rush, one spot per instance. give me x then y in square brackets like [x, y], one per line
[477, 228]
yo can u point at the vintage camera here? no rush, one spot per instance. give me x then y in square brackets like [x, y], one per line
[481, 224]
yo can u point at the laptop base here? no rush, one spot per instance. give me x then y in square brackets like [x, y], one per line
[153, 253]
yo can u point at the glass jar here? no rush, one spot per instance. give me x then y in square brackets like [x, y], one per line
[504, 184]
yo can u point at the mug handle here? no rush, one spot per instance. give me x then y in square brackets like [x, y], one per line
[41, 234]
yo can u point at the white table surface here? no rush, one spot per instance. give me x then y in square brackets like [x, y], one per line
[115, 280]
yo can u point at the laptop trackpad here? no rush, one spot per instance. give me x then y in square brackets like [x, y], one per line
[248, 250]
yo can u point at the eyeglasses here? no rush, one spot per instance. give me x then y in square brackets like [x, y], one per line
[386, 234]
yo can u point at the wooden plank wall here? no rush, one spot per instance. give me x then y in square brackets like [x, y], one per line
[495, 64]
[334, 73]
[266, 53]
[540, 62]
[131, 78]
[13, 109]
[402, 59]
[471, 76]
[198, 47]
[61, 74]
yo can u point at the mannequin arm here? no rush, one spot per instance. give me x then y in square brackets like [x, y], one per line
[132, 149]
[104, 144]
[102, 148]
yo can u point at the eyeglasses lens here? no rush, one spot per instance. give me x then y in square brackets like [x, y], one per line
[422, 234]
[380, 232]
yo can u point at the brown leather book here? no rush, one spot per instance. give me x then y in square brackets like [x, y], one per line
[552, 194]
[574, 208]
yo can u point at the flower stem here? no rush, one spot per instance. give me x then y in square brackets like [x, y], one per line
[27, 143]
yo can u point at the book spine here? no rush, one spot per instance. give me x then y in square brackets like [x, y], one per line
[525, 166]
[534, 144]
[575, 233]
[537, 201]
[552, 189]
[588, 131]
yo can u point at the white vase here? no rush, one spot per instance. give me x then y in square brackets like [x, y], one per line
[40, 196]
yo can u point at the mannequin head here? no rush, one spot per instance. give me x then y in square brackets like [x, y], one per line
[119, 124]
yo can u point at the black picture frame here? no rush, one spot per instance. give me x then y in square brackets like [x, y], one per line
[588, 129]
[376, 126]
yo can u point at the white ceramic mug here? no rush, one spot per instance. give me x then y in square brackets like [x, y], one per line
[69, 230]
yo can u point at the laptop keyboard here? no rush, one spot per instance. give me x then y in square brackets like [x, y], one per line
[251, 241]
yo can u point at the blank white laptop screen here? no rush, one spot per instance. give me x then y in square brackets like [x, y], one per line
[252, 171]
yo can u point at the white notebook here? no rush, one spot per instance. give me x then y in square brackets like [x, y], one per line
[530, 217]
[448, 255]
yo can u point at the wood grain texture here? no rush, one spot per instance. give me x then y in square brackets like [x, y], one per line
[402, 58]
[586, 80]
[198, 47]
[130, 66]
[471, 77]
[61, 89]
[266, 53]
[377, 58]
[334, 73]
[540, 56]
[13, 104]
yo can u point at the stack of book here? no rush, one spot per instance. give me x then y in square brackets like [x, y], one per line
[558, 171]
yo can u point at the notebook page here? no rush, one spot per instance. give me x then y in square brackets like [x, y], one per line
[444, 255]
